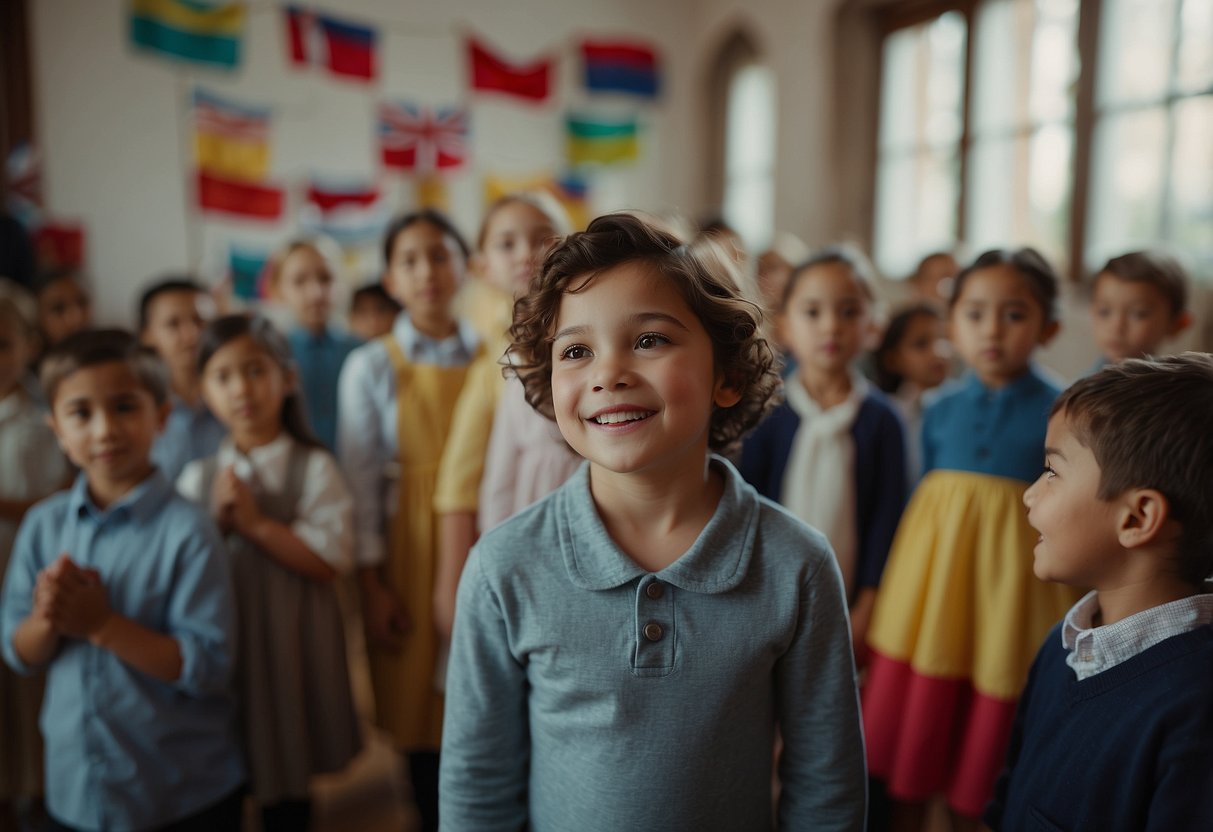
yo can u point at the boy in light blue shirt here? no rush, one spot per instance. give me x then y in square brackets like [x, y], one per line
[119, 589]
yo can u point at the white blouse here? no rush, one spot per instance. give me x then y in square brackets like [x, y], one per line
[324, 518]
[31, 464]
[367, 444]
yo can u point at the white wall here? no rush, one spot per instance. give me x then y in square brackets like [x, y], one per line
[115, 137]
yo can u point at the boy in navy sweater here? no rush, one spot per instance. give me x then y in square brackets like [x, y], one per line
[1115, 728]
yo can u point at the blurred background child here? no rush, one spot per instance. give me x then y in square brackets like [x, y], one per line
[1138, 302]
[515, 233]
[960, 614]
[833, 452]
[172, 313]
[280, 499]
[31, 467]
[372, 311]
[933, 277]
[912, 358]
[396, 396]
[302, 277]
[65, 306]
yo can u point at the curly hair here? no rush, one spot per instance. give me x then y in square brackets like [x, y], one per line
[734, 325]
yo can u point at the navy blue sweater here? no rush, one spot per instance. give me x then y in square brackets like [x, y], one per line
[880, 474]
[1130, 748]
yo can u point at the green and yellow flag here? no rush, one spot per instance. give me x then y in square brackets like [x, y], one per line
[598, 141]
[189, 30]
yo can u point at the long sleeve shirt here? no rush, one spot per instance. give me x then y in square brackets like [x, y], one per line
[125, 750]
[586, 693]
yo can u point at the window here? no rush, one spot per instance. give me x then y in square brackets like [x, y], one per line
[1081, 128]
[749, 154]
[1153, 138]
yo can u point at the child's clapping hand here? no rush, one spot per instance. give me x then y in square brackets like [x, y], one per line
[72, 598]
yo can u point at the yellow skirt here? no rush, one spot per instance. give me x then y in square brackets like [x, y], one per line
[958, 599]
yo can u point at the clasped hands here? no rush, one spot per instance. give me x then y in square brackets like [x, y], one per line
[234, 505]
[71, 598]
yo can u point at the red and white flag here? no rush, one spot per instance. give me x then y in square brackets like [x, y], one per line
[422, 139]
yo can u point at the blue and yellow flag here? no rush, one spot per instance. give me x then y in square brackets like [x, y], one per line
[189, 30]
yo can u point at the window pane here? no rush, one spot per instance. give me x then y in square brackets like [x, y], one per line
[749, 188]
[1026, 63]
[1191, 207]
[991, 202]
[945, 39]
[998, 58]
[1195, 72]
[1049, 187]
[895, 245]
[916, 200]
[1135, 50]
[897, 89]
[922, 84]
[1020, 192]
[1126, 183]
[1054, 66]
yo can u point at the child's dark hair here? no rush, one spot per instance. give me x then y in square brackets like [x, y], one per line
[164, 286]
[102, 346]
[1147, 423]
[374, 293]
[48, 278]
[228, 328]
[435, 218]
[844, 255]
[734, 324]
[1159, 270]
[1031, 265]
[887, 379]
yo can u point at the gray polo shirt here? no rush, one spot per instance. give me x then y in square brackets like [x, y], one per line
[585, 693]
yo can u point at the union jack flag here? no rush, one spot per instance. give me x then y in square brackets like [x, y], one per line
[420, 139]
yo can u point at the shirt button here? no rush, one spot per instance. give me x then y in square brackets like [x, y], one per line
[654, 590]
[653, 631]
[982, 453]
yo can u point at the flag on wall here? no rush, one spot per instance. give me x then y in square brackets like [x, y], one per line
[346, 48]
[351, 212]
[59, 245]
[231, 154]
[246, 270]
[422, 139]
[620, 66]
[600, 141]
[189, 30]
[239, 198]
[230, 139]
[490, 73]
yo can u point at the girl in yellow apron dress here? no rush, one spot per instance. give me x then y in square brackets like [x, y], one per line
[427, 357]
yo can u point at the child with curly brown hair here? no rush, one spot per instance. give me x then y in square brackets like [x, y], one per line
[636, 638]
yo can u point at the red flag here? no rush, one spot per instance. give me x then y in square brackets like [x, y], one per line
[344, 47]
[488, 72]
[243, 199]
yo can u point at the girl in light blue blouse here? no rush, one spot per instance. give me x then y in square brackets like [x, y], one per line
[626, 649]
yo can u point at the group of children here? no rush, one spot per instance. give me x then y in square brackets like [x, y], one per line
[629, 547]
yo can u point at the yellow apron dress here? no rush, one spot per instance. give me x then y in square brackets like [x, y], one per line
[408, 703]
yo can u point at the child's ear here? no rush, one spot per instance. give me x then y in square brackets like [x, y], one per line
[726, 393]
[1049, 332]
[1144, 518]
[162, 412]
[1182, 321]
